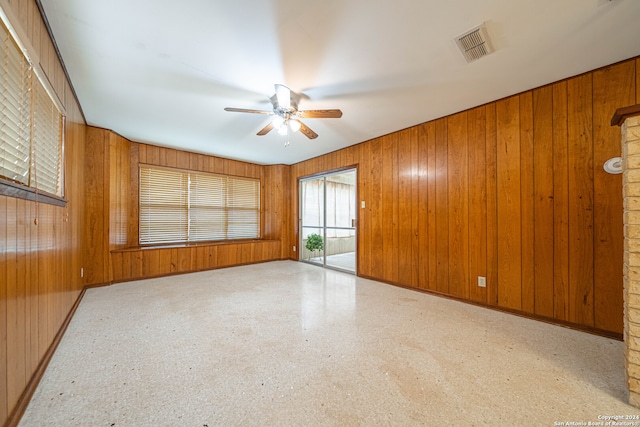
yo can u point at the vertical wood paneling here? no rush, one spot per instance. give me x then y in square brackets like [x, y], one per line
[15, 349]
[544, 199]
[142, 153]
[458, 204]
[561, 204]
[512, 191]
[507, 193]
[365, 237]
[414, 203]
[22, 325]
[477, 202]
[4, 345]
[442, 207]
[171, 157]
[390, 208]
[580, 145]
[527, 202]
[202, 257]
[405, 238]
[612, 87]
[153, 157]
[95, 208]
[377, 220]
[39, 264]
[424, 237]
[492, 205]
[509, 208]
[430, 131]
[33, 289]
[277, 213]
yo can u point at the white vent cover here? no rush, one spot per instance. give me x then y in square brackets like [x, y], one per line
[474, 44]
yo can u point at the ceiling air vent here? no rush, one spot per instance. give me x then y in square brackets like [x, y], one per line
[475, 44]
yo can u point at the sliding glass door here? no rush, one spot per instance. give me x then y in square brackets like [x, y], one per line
[328, 220]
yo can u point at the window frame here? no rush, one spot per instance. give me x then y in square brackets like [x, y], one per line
[189, 196]
[9, 187]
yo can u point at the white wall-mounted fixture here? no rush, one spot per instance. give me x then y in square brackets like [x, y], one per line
[613, 165]
[475, 43]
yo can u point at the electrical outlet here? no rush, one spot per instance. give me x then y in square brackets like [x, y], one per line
[294, 249]
[362, 205]
[482, 282]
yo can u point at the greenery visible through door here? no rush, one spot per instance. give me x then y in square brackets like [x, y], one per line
[314, 243]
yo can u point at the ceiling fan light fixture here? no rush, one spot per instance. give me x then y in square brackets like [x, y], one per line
[278, 121]
[285, 114]
[294, 125]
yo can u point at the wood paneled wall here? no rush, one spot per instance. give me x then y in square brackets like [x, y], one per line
[112, 212]
[39, 263]
[107, 182]
[513, 191]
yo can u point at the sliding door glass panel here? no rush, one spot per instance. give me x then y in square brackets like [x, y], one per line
[328, 215]
[340, 227]
[312, 224]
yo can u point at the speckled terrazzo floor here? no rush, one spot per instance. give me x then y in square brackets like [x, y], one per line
[292, 344]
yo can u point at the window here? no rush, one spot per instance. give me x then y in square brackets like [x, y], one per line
[31, 125]
[186, 206]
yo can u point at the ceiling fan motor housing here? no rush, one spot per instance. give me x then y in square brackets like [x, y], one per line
[285, 110]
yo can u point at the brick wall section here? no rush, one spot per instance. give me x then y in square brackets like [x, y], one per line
[631, 194]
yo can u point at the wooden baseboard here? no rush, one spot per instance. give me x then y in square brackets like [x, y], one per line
[575, 326]
[178, 273]
[27, 394]
[97, 285]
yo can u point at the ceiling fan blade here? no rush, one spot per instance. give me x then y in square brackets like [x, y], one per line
[283, 94]
[244, 110]
[307, 132]
[265, 130]
[320, 114]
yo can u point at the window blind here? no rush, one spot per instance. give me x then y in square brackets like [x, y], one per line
[31, 125]
[243, 208]
[186, 206]
[47, 140]
[14, 110]
[163, 206]
[208, 213]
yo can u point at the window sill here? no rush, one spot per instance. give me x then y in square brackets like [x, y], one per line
[193, 245]
[18, 191]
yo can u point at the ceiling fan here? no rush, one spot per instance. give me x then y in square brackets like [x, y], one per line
[286, 113]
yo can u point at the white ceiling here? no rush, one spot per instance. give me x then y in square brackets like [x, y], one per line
[161, 71]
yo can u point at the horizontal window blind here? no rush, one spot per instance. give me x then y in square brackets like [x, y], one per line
[208, 213]
[47, 140]
[31, 125]
[15, 144]
[163, 206]
[243, 207]
[186, 206]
